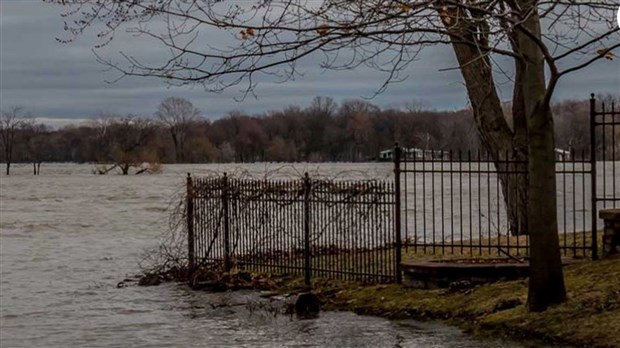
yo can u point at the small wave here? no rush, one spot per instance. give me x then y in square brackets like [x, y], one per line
[155, 209]
[10, 316]
[8, 225]
[155, 197]
[133, 311]
[39, 227]
[123, 197]
[82, 225]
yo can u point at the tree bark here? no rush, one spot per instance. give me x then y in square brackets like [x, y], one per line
[517, 188]
[546, 282]
[514, 185]
[500, 141]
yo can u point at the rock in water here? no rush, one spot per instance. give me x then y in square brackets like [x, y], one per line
[149, 280]
[307, 305]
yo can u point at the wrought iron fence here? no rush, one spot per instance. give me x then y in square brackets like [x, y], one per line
[441, 202]
[604, 158]
[475, 204]
[332, 229]
[465, 203]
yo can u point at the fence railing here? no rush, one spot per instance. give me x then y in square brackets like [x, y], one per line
[466, 203]
[604, 158]
[475, 204]
[309, 227]
[441, 202]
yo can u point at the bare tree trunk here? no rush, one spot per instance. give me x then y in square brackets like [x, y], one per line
[181, 147]
[502, 142]
[34, 168]
[546, 282]
[8, 156]
[514, 189]
[513, 179]
[177, 151]
[517, 188]
[8, 151]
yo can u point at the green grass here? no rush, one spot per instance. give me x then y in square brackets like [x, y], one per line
[381, 262]
[497, 246]
[590, 317]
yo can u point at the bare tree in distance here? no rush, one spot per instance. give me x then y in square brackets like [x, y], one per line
[177, 114]
[543, 40]
[323, 105]
[122, 143]
[286, 128]
[33, 137]
[101, 126]
[129, 138]
[11, 121]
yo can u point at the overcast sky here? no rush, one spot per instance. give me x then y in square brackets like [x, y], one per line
[64, 81]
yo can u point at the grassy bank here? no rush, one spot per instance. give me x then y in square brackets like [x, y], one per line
[591, 316]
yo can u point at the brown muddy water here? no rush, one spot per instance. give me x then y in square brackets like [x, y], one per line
[67, 237]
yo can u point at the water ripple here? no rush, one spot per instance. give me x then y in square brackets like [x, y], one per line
[67, 238]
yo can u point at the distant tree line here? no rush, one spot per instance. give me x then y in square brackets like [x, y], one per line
[354, 130]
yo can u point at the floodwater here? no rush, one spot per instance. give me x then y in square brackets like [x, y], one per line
[67, 237]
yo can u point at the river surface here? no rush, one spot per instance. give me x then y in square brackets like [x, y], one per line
[67, 237]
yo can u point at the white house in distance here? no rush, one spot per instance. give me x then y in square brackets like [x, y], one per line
[562, 155]
[413, 153]
[386, 155]
[420, 154]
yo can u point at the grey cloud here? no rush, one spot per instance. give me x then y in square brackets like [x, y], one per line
[65, 81]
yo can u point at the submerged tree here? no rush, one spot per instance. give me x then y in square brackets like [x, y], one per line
[101, 140]
[34, 138]
[10, 122]
[123, 144]
[269, 37]
[128, 147]
[177, 114]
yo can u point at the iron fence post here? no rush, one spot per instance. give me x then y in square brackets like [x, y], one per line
[593, 175]
[189, 205]
[225, 193]
[397, 212]
[307, 266]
